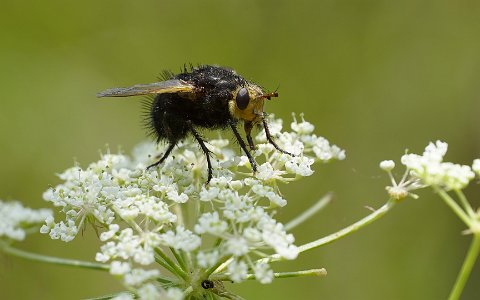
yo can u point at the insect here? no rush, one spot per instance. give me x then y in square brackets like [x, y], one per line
[209, 97]
[208, 284]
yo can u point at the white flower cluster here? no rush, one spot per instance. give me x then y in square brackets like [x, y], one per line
[429, 169]
[16, 220]
[214, 229]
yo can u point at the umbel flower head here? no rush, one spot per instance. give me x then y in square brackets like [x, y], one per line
[17, 220]
[168, 235]
[429, 169]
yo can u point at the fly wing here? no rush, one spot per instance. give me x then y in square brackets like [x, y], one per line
[168, 86]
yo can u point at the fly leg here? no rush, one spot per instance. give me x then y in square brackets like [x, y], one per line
[205, 150]
[270, 138]
[165, 155]
[248, 129]
[243, 146]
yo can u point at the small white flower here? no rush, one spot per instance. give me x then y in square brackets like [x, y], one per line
[119, 268]
[387, 165]
[173, 294]
[64, 231]
[325, 152]
[276, 199]
[266, 172]
[263, 273]
[476, 166]
[265, 149]
[211, 223]
[144, 154]
[302, 128]
[274, 235]
[236, 184]
[137, 277]
[130, 246]
[299, 165]
[181, 240]
[178, 198]
[101, 257]
[149, 292]
[252, 234]
[431, 169]
[49, 224]
[237, 246]
[238, 271]
[112, 230]
[209, 194]
[207, 259]
[15, 219]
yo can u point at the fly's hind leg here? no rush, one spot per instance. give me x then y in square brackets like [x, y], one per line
[165, 155]
[205, 150]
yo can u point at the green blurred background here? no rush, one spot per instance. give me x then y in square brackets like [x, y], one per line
[375, 77]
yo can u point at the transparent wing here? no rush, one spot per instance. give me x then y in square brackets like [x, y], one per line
[169, 86]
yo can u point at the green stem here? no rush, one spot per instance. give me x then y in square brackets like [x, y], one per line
[188, 291]
[454, 206]
[53, 260]
[162, 263]
[377, 214]
[467, 266]
[164, 280]
[179, 258]
[209, 296]
[313, 272]
[111, 296]
[310, 212]
[466, 205]
[172, 266]
[219, 266]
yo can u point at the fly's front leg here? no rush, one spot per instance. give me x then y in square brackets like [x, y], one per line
[248, 130]
[270, 138]
[243, 146]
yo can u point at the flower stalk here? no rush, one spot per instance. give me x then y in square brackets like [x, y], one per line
[466, 269]
[51, 259]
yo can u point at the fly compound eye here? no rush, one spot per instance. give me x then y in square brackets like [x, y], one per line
[242, 99]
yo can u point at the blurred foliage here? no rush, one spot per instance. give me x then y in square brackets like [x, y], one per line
[375, 77]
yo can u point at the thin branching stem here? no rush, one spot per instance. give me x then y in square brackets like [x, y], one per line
[313, 272]
[219, 266]
[453, 205]
[53, 260]
[174, 268]
[377, 214]
[466, 205]
[179, 258]
[310, 212]
[110, 296]
[164, 264]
